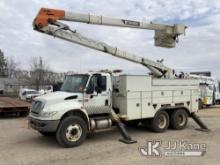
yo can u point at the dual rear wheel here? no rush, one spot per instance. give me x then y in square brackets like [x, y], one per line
[179, 119]
[176, 120]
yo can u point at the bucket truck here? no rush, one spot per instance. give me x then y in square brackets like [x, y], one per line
[209, 90]
[99, 100]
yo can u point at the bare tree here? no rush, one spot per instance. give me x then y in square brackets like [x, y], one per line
[3, 65]
[13, 67]
[39, 72]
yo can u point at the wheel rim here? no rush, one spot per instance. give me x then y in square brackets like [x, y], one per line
[73, 132]
[181, 120]
[162, 121]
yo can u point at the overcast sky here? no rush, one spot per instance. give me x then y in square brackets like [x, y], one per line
[199, 50]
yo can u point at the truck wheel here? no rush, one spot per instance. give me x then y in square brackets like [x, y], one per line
[72, 131]
[160, 122]
[179, 119]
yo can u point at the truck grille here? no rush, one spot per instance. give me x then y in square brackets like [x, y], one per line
[36, 107]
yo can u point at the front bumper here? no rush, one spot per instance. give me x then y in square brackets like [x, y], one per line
[43, 125]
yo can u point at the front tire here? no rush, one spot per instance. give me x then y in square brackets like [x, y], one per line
[179, 119]
[160, 122]
[72, 132]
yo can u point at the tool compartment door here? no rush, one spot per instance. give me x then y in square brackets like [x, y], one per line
[133, 105]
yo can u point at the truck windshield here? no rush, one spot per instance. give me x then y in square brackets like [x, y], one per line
[75, 83]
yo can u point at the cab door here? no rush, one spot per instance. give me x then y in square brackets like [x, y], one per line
[98, 95]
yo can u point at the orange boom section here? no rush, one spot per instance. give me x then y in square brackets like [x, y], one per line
[46, 15]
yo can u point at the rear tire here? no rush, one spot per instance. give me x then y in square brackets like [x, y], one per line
[72, 131]
[179, 119]
[160, 122]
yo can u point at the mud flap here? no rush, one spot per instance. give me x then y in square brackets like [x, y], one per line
[202, 125]
[126, 138]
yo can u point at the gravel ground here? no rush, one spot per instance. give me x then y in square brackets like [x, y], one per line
[22, 146]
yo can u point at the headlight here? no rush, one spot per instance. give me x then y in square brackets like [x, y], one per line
[48, 114]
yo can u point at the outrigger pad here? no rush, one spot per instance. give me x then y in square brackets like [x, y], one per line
[203, 130]
[202, 125]
[127, 141]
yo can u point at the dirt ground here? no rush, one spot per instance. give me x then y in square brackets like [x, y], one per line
[22, 146]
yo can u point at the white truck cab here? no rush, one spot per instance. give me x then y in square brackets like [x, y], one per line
[82, 94]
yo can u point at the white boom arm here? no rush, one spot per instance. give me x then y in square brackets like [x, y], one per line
[165, 35]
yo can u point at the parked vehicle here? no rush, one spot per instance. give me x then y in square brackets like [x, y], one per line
[28, 94]
[47, 89]
[11, 105]
[98, 100]
[209, 90]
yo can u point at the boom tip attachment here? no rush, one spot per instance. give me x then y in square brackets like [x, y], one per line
[46, 15]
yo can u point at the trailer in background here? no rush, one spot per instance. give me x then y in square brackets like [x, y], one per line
[10, 105]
